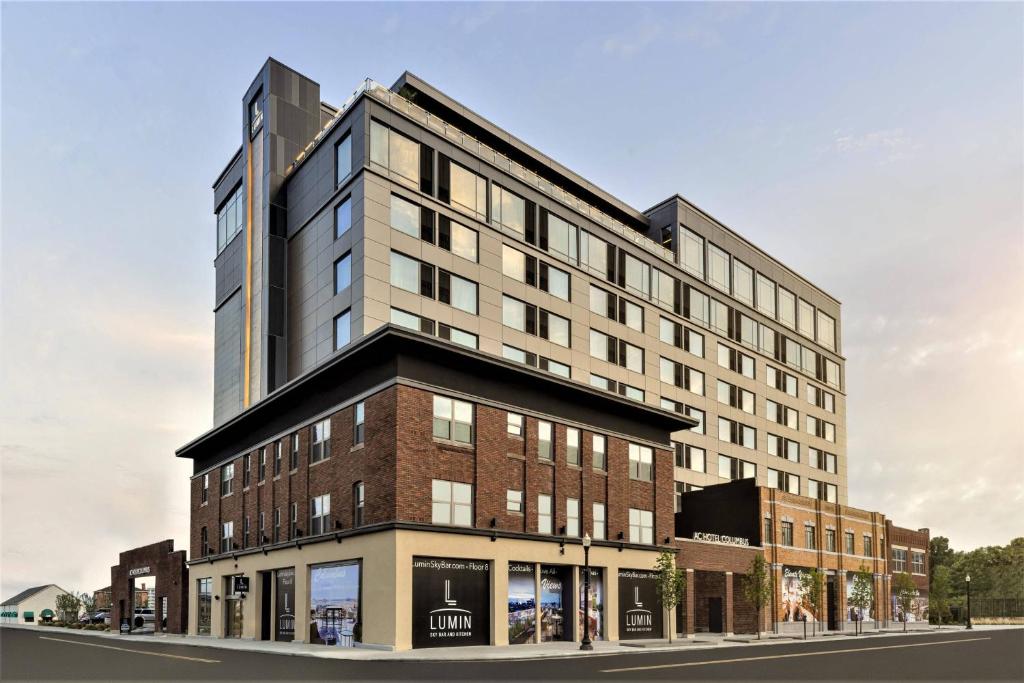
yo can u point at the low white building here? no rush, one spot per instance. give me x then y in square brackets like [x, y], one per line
[32, 605]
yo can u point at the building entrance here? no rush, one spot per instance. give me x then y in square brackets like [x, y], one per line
[715, 615]
[149, 590]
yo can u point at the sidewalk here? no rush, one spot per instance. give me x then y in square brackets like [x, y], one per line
[702, 641]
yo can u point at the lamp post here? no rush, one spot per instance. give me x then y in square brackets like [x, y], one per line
[969, 627]
[586, 644]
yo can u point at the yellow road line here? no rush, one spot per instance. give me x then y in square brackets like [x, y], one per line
[794, 654]
[140, 652]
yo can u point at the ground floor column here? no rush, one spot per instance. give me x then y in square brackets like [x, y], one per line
[691, 625]
[728, 604]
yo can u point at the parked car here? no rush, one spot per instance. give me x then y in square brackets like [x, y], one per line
[143, 616]
[100, 617]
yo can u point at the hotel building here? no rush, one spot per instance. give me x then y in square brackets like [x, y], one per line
[441, 358]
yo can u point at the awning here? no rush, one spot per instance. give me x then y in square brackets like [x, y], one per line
[45, 613]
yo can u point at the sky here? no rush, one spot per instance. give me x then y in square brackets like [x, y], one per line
[874, 148]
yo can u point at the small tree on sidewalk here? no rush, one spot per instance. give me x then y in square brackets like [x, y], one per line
[938, 594]
[671, 585]
[861, 595]
[758, 586]
[812, 586]
[904, 590]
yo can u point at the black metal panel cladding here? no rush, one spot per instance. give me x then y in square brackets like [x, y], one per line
[730, 509]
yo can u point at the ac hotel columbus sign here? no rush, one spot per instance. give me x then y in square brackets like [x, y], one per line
[719, 538]
[451, 602]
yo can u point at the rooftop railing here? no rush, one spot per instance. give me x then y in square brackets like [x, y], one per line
[490, 155]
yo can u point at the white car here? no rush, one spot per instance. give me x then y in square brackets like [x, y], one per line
[143, 616]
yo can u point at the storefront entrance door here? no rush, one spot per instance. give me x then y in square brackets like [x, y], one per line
[232, 617]
[832, 600]
[715, 615]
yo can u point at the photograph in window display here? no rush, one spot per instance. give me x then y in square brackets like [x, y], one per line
[596, 612]
[918, 609]
[794, 607]
[522, 604]
[334, 605]
[856, 613]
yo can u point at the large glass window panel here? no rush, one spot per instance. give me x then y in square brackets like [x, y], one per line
[562, 238]
[342, 330]
[634, 358]
[718, 268]
[719, 317]
[463, 294]
[638, 276]
[634, 318]
[558, 283]
[699, 307]
[693, 253]
[507, 209]
[513, 313]
[594, 254]
[787, 308]
[826, 331]
[342, 217]
[343, 159]
[463, 241]
[805, 319]
[379, 134]
[748, 332]
[664, 290]
[468, 191]
[693, 342]
[598, 345]
[766, 295]
[343, 273]
[599, 301]
[404, 157]
[513, 263]
[405, 272]
[743, 282]
[404, 319]
[668, 371]
[666, 330]
[766, 340]
[558, 330]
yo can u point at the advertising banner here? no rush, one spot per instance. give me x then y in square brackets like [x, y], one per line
[640, 613]
[451, 602]
[855, 613]
[555, 600]
[284, 604]
[793, 606]
[334, 592]
[522, 603]
[596, 614]
[918, 609]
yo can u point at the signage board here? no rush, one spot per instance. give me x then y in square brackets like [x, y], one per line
[522, 603]
[720, 538]
[241, 584]
[640, 613]
[126, 625]
[556, 603]
[140, 571]
[284, 604]
[451, 602]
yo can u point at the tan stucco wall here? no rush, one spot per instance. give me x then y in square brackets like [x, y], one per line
[44, 599]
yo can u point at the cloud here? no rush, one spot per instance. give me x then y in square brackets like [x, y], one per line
[888, 145]
[632, 41]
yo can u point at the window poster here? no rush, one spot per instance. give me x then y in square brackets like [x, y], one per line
[451, 602]
[555, 596]
[595, 615]
[522, 603]
[284, 604]
[856, 613]
[640, 613]
[334, 604]
[793, 605]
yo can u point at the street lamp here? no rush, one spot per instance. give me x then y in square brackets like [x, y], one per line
[969, 602]
[586, 644]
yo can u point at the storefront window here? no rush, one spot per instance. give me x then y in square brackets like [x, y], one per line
[284, 604]
[596, 611]
[522, 603]
[451, 602]
[205, 592]
[555, 596]
[334, 592]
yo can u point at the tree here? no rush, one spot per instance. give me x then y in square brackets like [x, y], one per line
[758, 587]
[812, 586]
[862, 594]
[88, 603]
[68, 605]
[938, 594]
[671, 585]
[904, 590]
[939, 554]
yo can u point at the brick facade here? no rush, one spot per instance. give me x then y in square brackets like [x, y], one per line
[398, 461]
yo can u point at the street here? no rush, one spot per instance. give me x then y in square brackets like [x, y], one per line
[953, 655]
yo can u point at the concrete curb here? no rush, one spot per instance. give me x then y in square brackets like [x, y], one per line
[471, 654]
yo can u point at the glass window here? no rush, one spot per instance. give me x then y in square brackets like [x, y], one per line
[342, 329]
[359, 423]
[451, 503]
[507, 209]
[599, 522]
[468, 191]
[395, 152]
[358, 503]
[693, 253]
[562, 238]
[698, 415]
[637, 276]
[718, 268]
[343, 159]
[633, 393]
[641, 526]
[514, 501]
[320, 515]
[343, 217]
[594, 254]
[572, 517]
[558, 329]
[700, 307]
[557, 282]
[320, 444]
[205, 592]
[634, 358]
[805, 319]
[599, 447]
[462, 294]
[787, 533]
[826, 331]
[572, 446]
[545, 450]
[227, 475]
[515, 424]
[666, 329]
[227, 532]
[664, 293]
[766, 295]
[668, 370]
[599, 345]
[694, 343]
[400, 317]
[641, 462]
[743, 282]
[405, 216]
[513, 263]
[405, 272]
[513, 354]
[544, 514]
[600, 301]
[810, 537]
[555, 368]
[787, 308]
[601, 382]
[463, 241]
[453, 420]
[766, 340]
[343, 273]
[513, 313]
[832, 373]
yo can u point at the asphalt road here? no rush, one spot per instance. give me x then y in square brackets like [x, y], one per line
[961, 655]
